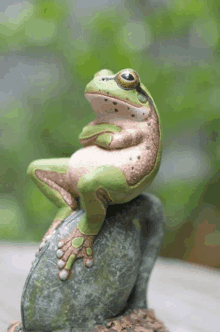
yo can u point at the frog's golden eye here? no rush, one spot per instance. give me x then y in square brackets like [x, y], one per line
[127, 79]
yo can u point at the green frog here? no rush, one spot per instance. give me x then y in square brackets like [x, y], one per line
[120, 157]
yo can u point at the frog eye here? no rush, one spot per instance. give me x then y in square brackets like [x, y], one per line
[127, 79]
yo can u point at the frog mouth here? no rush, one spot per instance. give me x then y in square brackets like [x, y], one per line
[104, 104]
[105, 96]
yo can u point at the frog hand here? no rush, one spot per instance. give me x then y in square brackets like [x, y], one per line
[120, 140]
[104, 140]
[98, 133]
[77, 245]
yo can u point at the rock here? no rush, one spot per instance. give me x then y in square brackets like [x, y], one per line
[124, 254]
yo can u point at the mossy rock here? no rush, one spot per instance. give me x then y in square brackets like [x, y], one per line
[124, 254]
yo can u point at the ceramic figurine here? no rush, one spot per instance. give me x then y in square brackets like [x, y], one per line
[98, 191]
[120, 158]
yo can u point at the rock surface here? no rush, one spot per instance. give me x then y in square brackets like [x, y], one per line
[124, 254]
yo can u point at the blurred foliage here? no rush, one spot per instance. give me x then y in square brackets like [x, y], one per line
[57, 46]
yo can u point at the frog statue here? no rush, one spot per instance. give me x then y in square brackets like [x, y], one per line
[119, 159]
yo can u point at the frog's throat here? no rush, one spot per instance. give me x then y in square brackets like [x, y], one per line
[108, 105]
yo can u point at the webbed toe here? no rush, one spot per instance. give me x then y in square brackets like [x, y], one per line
[76, 246]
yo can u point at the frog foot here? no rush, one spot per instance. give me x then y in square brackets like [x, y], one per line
[55, 224]
[15, 326]
[77, 245]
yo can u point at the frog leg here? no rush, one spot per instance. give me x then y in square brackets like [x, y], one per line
[97, 189]
[15, 326]
[50, 175]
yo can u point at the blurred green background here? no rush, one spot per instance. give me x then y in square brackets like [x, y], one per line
[50, 50]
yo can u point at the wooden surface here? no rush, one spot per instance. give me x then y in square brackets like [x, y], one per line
[185, 297]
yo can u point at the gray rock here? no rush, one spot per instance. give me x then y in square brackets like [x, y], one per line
[124, 254]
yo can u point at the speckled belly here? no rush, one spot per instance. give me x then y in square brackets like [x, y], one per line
[130, 161]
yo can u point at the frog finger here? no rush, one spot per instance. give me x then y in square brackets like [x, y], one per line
[89, 251]
[64, 274]
[68, 253]
[61, 264]
[65, 246]
[61, 244]
[59, 253]
[88, 261]
[70, 261]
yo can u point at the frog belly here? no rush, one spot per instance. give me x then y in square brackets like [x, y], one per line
[90, 158]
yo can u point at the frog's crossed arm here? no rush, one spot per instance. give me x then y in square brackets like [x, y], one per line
[109, 136]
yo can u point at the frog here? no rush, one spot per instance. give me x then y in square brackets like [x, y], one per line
[120, 157]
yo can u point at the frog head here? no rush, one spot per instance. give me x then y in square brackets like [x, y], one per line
[120, 96]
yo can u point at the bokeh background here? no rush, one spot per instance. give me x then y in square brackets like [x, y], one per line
[50, 50]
